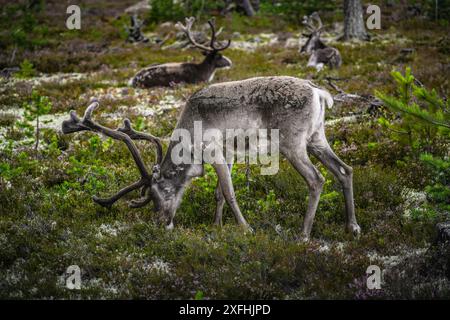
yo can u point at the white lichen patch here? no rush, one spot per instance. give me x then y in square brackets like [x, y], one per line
[143, 102]
[389, 262]
[60, 78]
[346, 119]
[110, 230]
[158, 266]
[413, 200]
[253, 42]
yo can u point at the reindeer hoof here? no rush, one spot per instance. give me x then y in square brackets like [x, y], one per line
[248, 229]
[169, 226]
[304, 237]
[354, 229]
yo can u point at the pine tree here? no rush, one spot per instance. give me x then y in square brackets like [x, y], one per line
[425, 115]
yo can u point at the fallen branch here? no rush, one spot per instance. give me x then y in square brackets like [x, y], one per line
[343, 96]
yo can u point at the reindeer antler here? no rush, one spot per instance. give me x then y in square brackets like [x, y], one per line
[187, 30]
[126, 134]
[214, 35]
[315, 16]
[308, 22]
[136, 135]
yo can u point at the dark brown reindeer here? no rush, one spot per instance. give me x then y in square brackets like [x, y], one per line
[320, 53]
[168, 74]
[293, 106]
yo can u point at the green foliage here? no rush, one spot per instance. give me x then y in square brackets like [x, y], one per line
[439, 190]
[174, 10]
[294, 10]
[26, 70]
[198, 295]
[23, 163]
[38, 106]
[425, 116]
[425, 120]
[26, 29]
[442, 9]
[289, 10]
[269, 203]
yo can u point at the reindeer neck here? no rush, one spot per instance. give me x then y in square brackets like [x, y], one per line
[206, 67]
[178, 173]
[320, 45]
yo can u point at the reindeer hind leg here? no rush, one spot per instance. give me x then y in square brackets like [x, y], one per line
[320, 148]
[300, 161]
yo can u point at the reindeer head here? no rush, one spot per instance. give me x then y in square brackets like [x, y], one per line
[315, 27]
[212, 52]
[168, 186]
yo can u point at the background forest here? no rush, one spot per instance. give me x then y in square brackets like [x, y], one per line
[390, 122]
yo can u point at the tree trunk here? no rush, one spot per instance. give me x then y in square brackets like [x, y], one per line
[354, 21]
[248, 8]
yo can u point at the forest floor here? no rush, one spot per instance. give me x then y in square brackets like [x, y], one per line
[49, 222]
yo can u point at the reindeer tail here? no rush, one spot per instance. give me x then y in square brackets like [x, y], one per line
[325, 98]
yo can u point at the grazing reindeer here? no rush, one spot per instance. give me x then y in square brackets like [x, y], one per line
[320, 53]
[170, 73]
[296, 107]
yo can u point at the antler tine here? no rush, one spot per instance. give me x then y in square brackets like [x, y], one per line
[74, 125]
[108, 202]
[89, 110]
[211, 23]
[316, 17]
[214, 34]
[187, 30]
[145, 199]
[136, 135]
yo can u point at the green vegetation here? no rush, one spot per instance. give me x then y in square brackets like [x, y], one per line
[39, 106]
[425, 127]
[26, 70]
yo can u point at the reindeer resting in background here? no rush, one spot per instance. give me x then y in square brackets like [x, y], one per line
[320, 53]
[168, 74]
[293, 106]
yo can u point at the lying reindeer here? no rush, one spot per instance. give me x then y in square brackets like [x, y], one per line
[320, 53]
[296, 107]
[171, 73]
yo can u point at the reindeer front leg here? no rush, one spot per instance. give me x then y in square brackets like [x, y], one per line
[220, 201]
[223, 173]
